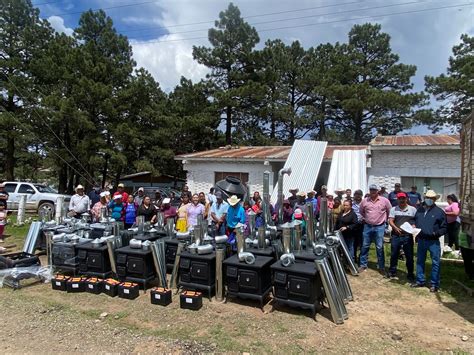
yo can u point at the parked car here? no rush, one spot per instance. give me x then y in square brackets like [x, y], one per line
[39, 197]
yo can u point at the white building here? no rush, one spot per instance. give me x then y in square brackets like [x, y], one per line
[427, 161]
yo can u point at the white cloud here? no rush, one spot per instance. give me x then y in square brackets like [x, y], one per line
[58, 24]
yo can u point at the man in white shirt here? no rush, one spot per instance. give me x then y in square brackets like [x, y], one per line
[79, 204]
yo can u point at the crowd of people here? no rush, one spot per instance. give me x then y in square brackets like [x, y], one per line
[361, 219]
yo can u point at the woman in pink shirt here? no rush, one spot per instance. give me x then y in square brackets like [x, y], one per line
[452, 217]
[195, 209]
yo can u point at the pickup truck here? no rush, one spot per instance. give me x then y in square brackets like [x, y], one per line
[38, 196]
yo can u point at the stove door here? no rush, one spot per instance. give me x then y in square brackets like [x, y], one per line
[200, 271]
[135, 265]
[299, 286]
[121, 259]
[249, 279]
[95, 260]
[280, 287]
[231, 278]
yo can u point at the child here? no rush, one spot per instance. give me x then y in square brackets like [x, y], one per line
[3, 219]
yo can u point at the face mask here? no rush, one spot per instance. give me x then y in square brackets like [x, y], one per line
[429, 202]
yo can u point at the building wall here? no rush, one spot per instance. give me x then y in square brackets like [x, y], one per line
[388, 166]
[200, 175]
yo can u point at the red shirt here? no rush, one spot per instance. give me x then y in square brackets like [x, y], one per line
[375, 212]
[124, 196]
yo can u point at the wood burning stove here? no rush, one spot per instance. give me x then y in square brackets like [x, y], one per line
[248, 281]
[297, 285]
[135, 265]
[197, 272]
[64, 255]
[94, 260]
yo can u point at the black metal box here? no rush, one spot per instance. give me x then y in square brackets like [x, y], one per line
[111, 287]
[128, 290]
[94, 285]
[76, 284]
[94, 261]
[190, 300]
[161, 296]
[59, 282]
[135, 265]
[11, 260]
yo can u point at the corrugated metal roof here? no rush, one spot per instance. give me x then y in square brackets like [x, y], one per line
[305, 160]
[348, 170]
[276, 153]
[422, 140]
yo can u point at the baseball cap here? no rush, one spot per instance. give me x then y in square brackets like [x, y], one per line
[218, 194]
[103, 194]
[401, 195]
[373, 187]
[120, 185]
[166, 200]
[398, 184]
[141, 189]
[298, 213]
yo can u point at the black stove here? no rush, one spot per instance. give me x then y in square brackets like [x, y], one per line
[64, 256]
[248, 281]
[197, 272]
[267, 251]
[171, 247]
[94, 261]
[135, 265]
[304, 255]
[297, 285]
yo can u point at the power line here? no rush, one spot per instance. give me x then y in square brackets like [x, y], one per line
[47, 3]
[321, 23]
[107, 8]
[309, 16]
[49, 127]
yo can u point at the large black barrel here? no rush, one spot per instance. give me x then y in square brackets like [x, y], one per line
[231, 186]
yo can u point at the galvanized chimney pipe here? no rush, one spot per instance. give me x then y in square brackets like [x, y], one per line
[310, 234]
[280, 192]
[266, 199]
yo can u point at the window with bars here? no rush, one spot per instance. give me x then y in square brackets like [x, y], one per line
[442, 186]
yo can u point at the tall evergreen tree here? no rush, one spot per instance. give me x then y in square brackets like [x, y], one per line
[455, 90]
[231, 62]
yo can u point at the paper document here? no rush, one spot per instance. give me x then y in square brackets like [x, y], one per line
[407, 227]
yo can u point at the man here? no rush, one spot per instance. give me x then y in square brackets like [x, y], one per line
[383, 192]
[400, 239]
[4, 195]
[121, 191]
[339, 193]
[324, 193]
[414, 197]
[235, 213]
[79, 204]
[348, 194]
[392, 196]
[293, 198]
[300, 202]
[168, 210]
[374, 210]
[432, 222]
[140, 195]
[356, 201]
[94, 195]
[218, 214]
[314, 201]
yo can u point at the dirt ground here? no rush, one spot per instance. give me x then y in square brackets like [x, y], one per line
[386, 316]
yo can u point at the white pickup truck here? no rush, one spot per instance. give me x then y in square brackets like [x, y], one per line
[38, 197]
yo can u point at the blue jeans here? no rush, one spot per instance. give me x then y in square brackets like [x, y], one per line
[349, 240]
[218, 231]
[397, 243]
[375, 234]
[434, 247]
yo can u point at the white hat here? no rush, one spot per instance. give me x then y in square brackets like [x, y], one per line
[79, 187]
[117, 197]
[166, 200]
[120, 185]
[233, 200]
[301, 194]
[141, 189]
[107, 193]
[339, 189]
[431, 194]
[104, 194]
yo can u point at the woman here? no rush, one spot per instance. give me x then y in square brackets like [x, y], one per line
[95, 211]
[207, 205]
[287, 211]
[346, 223]
[117, 208]
[194, 210]
[336, 209]
[131, 209]
[148, 210]
[298, 215]
[452, 217]
[257, 209]
[182, 222]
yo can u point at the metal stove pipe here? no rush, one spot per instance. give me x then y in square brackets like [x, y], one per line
[261, 238]
[340, 276]
[160, 220]
[170, 227]
[267, 216]
[220, 256]
[345, 250]
[111, 250]
[204, 228]
[249, 258]
[20, 219]
[239, 236]
[286, 240]
[323, 216]
[298, 233]
[156, 262]
[141, 224]
[252, 222]
[310, 224]
[280, 192]
[287, 259]
[58, 214]
[197, 235]
[174, 274]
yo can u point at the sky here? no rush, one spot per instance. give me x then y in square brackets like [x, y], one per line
[162, 33]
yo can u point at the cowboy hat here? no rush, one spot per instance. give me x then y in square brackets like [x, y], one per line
[431, 194]
[79, 187]
[312, 192]
[294, 190]
[103, 194]
[120, 185]
[233, 200]
[339, 190]
[301, 194]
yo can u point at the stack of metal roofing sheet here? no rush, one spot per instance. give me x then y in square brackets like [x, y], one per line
[348, 170]
[305, 161]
